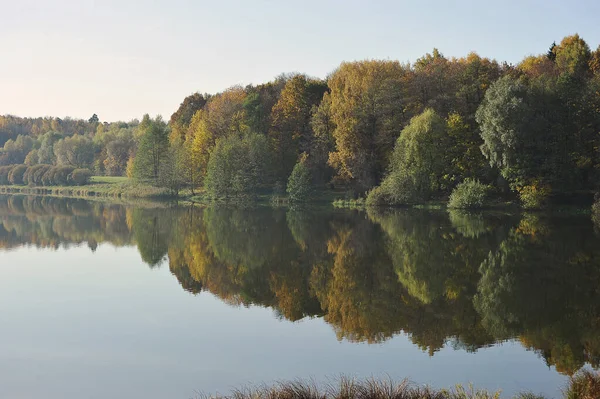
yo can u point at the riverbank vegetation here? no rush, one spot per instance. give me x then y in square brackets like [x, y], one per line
[586, 385]
[389, 133]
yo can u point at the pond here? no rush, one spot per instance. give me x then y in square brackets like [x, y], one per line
[102, 300]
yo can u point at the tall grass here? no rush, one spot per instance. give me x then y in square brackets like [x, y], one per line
[584, 385]
[347, 388]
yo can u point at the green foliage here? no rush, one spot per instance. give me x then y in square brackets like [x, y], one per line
[152, 149]
[80, 177]
[417, 164]
[77, 151]
[15, 176]
[37, 178]
[48, 175]
[572, 55]
[502, 125]
[470, 194]
[4, 173]
[15, 151]
[238, 166]
[299, 186]
[172, 174]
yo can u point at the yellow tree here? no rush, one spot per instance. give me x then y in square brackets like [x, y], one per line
[291, 131]
[368, 110]
[222, 115]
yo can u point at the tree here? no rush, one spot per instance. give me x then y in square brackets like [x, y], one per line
[238, 166]
[77, 151]
[291, 132]
[118, 152]
[15, 151]
[46, 150]
[171, 173]
[368, 111]
[152, 149]
[464, 151]
[573, 55]
[503, 117]
[528, 133]
[418, 162]
[180, 120]
[15, 176]
[94, 119]
[222, 116]
[299, 186]
[323, 143]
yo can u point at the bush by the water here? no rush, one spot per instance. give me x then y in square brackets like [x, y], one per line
[44, 175]
[416, 165]
[470, 194]
[534, 196]
[15, 175]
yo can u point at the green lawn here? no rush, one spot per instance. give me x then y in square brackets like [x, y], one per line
[108, 179]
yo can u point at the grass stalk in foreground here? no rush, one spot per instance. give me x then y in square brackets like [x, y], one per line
[347, 388]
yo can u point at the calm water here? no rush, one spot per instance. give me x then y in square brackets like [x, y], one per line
[107, 301]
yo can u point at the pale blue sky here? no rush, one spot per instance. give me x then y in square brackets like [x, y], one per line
[121, 59]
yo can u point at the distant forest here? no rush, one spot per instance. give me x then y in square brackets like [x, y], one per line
[390, 132]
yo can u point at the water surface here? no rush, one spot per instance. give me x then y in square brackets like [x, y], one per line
[100, 300]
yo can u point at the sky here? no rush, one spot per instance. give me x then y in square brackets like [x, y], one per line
[122, 59]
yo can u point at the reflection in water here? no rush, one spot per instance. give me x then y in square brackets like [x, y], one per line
[474, 279]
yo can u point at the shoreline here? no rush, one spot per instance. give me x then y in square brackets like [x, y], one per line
[131, 192]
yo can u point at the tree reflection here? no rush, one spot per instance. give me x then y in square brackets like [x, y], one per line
[441, 277]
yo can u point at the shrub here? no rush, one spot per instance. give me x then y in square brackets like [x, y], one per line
[534, 196]
[48, 177]
[299, 187]
[38, 174]
[15, 176]
[29, 176]
[4, 172]
[60, 176]
[397, 189]
[470, 194]
[80, 177]
[584, 385]
[376, 197]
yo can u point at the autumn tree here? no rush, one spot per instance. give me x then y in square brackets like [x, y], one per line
[368, 111]
[222, 115]
[180, 120]
[291, 132]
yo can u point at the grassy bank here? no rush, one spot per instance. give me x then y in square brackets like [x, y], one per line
[99, 186]
[585, 385]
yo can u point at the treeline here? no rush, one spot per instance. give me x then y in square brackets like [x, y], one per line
[103, 148]
[470, 278]
[394, 133]
[44, 175]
